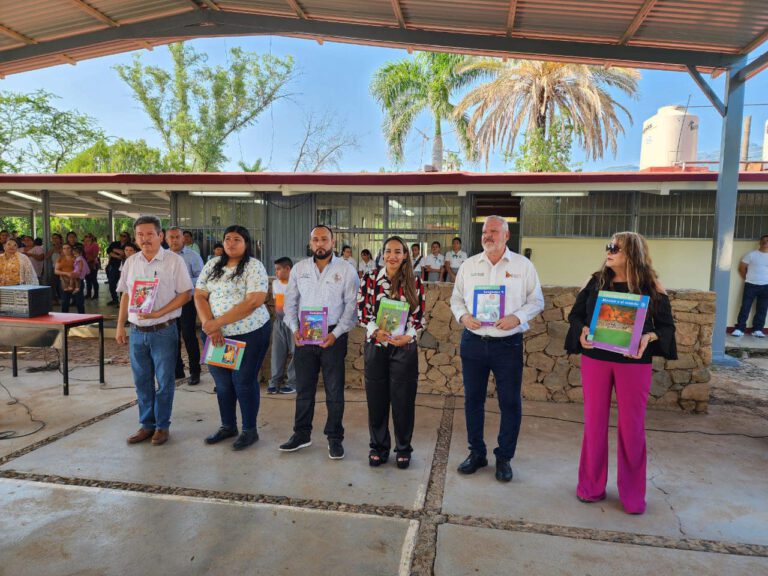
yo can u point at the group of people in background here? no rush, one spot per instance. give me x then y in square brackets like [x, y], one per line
[229, 292]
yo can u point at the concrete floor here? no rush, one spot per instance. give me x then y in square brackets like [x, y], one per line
[86, 503]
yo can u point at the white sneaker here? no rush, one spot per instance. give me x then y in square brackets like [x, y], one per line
[737, 333]
[758, 334]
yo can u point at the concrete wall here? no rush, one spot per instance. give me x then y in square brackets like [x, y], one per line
[681, 264]
[550, 374]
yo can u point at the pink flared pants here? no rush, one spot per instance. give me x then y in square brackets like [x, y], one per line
[632, 383]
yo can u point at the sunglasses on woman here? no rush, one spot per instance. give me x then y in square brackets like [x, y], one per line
[612, 248]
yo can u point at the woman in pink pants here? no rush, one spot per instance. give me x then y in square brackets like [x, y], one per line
[627, 268]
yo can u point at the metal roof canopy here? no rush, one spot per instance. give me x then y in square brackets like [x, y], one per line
[692, 35]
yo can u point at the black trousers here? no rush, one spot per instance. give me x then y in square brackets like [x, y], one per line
[391, 379]
[186, 324]
[309, 361]
[113, 277]
[92, 283]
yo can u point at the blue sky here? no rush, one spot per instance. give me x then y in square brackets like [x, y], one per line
[334, 78]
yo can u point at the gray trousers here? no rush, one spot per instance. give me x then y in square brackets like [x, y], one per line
[282, 345]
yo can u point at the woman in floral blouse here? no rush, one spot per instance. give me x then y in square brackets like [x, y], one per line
[391, 361]
[15, 267]
[229, 298]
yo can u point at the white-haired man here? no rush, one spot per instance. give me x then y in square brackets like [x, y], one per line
[497, 345]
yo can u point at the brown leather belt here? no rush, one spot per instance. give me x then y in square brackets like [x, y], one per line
[153, 327]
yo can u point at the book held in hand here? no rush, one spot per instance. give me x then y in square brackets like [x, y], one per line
[313, 325]
[488, 304]
[143, 294]
[392, 316]
[230, 355]
[617, 323]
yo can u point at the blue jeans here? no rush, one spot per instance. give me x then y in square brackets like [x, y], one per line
[233, 386]
[753, 292]
[153, 356]
[503, 356]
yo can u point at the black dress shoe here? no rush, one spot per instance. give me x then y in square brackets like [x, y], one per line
[503, 470]
[246, 438]
[221, 434]
[194, 379]
[472, 463]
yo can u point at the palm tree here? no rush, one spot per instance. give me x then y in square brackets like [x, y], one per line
[408, 87]
[532, 93]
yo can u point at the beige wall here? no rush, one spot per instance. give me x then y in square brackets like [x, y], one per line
[681, 264]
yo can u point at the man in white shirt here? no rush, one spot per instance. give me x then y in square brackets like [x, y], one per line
[454, 259]
[154, 337]
[494, 346]
[753, 268]
[433, 264]
[321, 281]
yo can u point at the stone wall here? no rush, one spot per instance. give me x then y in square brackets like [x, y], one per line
[549, 373]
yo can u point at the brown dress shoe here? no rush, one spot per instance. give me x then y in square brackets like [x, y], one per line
[141, 435]
[160, 437]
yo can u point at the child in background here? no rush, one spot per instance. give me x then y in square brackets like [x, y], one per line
[282, 337]
[80, 270]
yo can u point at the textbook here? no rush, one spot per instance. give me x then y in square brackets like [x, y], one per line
[617, 323]
[488, 304]
[313, 325]
[143, 295]
[392, 316]
[230, 355]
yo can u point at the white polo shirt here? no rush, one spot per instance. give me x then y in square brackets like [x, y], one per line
[455, 259]
[523, 296]
[433, 261]
[173, 276]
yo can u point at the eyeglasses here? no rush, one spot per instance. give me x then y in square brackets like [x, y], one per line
[612, 248]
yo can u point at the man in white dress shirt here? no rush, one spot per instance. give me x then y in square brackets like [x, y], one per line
[324, 280]
[154, 337]
[496, 347]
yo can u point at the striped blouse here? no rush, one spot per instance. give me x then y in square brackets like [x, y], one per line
[376, 286]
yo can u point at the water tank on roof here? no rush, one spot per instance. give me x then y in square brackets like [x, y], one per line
[670, 137]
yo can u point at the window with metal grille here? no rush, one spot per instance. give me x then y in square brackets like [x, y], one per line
[598, 215]
[751, 215]
[681, 214]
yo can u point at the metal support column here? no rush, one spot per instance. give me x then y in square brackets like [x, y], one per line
[174, 208]
[32, 224]
[725, 208]
[111, 224]
[46, 197]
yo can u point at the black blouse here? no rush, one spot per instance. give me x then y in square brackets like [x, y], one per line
[659, 321]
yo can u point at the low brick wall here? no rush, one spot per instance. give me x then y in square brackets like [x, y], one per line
[549, 373]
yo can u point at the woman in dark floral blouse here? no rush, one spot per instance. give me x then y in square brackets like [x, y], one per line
[391, 353]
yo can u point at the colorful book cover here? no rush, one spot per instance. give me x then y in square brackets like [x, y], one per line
[230, 355]
[143, 295]
[313, 324]
[392, 316]
[488, 304]
[617, 323]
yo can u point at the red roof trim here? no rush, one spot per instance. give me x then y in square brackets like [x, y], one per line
[374, 179]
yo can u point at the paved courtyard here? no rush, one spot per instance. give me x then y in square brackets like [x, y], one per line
[77, 500]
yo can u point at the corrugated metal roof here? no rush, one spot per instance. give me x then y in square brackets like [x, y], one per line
[715, 26]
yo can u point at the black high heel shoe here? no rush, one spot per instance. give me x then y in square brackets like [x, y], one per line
[376, 458]
[403, 460]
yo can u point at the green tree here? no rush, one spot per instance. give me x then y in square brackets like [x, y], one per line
[406, 88]
[121, 156]
[196, 107]
[522, 95]
[35, 136]
[550, 152]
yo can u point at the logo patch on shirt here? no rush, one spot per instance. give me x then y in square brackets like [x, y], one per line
[515, 276]
[337, 277]
[477, 274]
